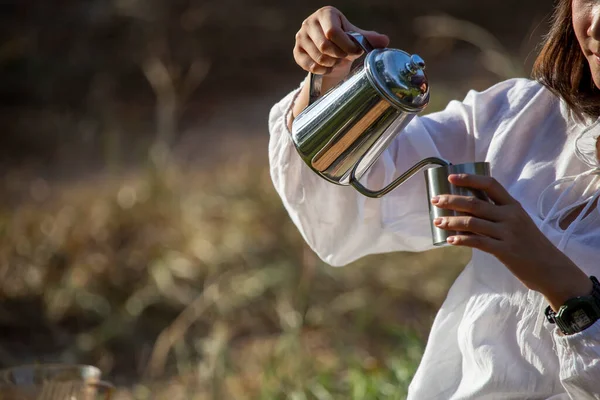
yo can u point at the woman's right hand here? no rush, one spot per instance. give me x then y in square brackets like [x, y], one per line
[323, 47]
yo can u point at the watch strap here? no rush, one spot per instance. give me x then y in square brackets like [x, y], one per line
[595, 289]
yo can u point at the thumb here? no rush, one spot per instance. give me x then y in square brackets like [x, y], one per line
[377, 40]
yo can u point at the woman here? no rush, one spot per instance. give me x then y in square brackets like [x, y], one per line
[536, 247]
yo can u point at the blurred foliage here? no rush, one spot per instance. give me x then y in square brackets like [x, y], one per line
[173, 273]
[92, 78]
[184, 282]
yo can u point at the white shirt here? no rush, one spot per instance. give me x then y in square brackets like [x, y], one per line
[489, 340]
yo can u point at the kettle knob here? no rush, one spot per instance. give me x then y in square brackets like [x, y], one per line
[416, 63]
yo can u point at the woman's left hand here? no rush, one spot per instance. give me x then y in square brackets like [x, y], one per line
[505, 230]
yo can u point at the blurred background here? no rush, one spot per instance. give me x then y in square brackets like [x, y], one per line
[139, 229]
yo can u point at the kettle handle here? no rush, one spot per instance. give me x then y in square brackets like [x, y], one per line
[375, 194]
[316, 81]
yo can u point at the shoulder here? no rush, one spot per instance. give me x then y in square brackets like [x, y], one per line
[514, 92]
[520, 87]
[514, 98]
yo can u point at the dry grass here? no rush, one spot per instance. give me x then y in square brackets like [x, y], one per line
[187, 285]
[183, 284]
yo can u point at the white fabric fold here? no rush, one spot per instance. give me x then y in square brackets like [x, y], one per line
[487, 340]
[586, 146]
[555, 214]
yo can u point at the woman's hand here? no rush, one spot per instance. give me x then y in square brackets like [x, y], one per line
[323, 47]
[505, 230]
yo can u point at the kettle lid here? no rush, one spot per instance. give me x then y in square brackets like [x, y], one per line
[399, 77]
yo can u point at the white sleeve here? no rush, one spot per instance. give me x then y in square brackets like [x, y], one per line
[340, 224]
[579, 357]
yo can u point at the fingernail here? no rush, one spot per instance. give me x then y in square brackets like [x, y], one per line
[435, 199]
[438, 221]
[451, 240]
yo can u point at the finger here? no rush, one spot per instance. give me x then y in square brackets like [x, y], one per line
[467, 223]
[483, 243]
[491, 186]
[320, 32]
[305, 42]
[308, 64]
[468, 204]
[332, 27]
[376, 39]
[322, 43]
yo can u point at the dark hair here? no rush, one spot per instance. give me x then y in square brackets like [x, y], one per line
[562, 67]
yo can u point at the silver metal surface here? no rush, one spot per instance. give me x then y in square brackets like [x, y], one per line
[398, 181]
[437, 183]
[343, 132]
[316, 81]
[400, 78]
[362, 41]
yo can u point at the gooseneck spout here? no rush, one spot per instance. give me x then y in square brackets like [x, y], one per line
[375, 194]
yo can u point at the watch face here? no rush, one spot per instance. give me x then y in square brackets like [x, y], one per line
[581, 319]
[578, 314]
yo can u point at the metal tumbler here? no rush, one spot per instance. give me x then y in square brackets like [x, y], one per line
[436, 179]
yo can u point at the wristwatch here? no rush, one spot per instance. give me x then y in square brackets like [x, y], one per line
[577, 313]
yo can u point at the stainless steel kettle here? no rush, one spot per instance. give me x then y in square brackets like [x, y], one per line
[341, 134]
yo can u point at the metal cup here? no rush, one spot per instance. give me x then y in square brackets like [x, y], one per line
[53, 382]
[437, 183]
